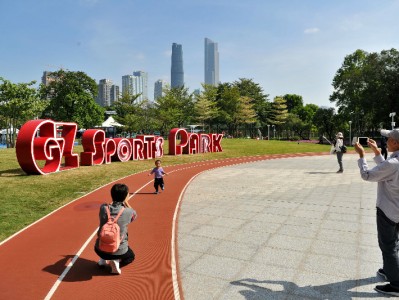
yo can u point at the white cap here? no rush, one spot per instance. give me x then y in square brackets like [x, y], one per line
[394, 134]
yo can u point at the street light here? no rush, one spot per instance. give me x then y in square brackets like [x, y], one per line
[268, 132]
[392, 114]
[350, 130]
[274, 130]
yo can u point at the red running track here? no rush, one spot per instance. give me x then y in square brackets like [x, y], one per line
[54, 258]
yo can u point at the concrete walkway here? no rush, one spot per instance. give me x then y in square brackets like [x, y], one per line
[280, 229]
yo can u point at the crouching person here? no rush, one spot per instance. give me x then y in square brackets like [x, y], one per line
[112, 238]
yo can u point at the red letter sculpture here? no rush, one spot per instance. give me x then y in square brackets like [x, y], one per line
[37, 140]
[177, 149]
[93, 141]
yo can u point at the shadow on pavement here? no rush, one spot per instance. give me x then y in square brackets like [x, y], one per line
[266, 289]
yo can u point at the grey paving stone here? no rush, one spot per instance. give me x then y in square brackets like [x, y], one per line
[280, 229]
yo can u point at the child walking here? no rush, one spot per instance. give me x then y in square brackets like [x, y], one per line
[158, 176]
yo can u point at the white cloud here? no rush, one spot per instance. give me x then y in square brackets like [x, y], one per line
[311, 30]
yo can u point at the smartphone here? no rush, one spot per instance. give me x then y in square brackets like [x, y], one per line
[363, 140]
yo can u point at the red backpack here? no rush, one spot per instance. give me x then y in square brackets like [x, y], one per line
[110, 233]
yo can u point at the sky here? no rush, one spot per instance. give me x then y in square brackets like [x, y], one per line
[285, 46]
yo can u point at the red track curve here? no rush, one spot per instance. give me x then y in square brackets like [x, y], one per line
[33, 260]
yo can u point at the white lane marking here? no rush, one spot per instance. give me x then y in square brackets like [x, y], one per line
[70, 265]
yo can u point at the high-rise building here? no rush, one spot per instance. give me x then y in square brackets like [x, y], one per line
[127, 84]
[114, 93]
[141, 84]
[136, 84]
[211, 62]
[159, 86]
[104, 92]
[177, 73]
[47, 78]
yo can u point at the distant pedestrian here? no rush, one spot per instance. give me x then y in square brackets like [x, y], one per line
[339, 142]
[383, 145]
[386, 174]
[124, 255]
[158, 176]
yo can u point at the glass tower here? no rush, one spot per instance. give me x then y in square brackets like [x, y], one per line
[211, 62]
[177, 73]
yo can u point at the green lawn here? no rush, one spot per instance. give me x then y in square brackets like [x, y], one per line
[25, 199]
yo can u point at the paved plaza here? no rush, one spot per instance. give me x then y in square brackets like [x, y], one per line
[287, 228]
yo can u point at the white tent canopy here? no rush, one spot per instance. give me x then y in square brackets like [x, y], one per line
[110, 122]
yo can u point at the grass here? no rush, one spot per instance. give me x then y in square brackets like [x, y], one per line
[26, 199]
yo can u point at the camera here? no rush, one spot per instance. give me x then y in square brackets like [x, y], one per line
[363, 140]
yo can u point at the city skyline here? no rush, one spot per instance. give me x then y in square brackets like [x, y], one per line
[287, 47]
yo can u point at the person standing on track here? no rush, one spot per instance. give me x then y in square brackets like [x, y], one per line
[124, 255]
[158, 176]
[386, 174]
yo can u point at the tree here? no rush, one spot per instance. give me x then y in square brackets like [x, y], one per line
[128, 112]
[366, 89]
[234, 109]
[324, 119]
[298, 126]
[245, 111]
[205, 109]
[279, 111]
[71, 99]
[259, 100]
[293, 102]
[174, 109]
[18, 103]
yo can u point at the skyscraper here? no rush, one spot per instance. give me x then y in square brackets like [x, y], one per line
[177, 73]
[114, 93]
[211, 62]
[136, 84]
[104, 92]
[159, 85]
[141, 84]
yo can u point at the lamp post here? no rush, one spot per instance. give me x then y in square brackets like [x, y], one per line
[274, 131]
[268, 132]
[350, 130]
[392, 114]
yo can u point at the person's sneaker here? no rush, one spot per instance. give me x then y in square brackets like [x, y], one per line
[115, 267]
[340, 171]
[162, 187]
[101, 263]
[382, 274]
[156, 192]
[387, 290]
